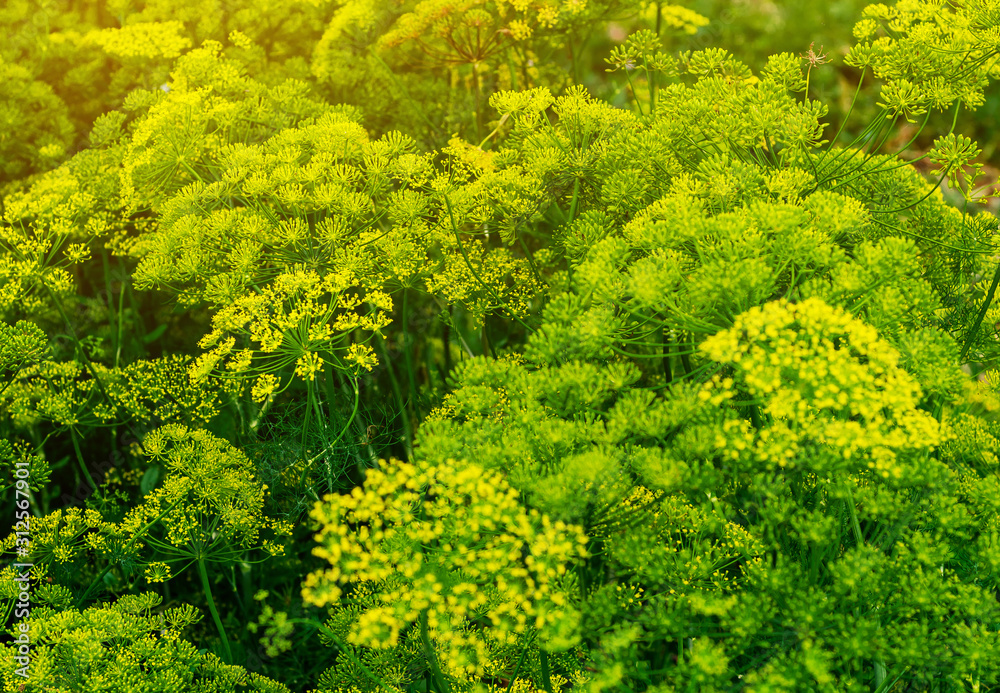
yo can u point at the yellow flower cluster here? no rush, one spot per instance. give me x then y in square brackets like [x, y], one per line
[686, 20]
[157, 571]
[923, 52]
[64, 393]
[210, 500]
[143, 40]
[301, 318]
[160, 390]
[501, 281]
[821, 377]
[27, 270]
[447, 543]
[61, 535]
[131, 646]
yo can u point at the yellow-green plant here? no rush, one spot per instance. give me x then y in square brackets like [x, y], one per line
[447, 554]
[691, 359]
[131, 645]
[401, 58]
[207, 510]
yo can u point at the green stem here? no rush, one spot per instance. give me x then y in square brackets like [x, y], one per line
[79, 458]
[477, 103]
[461, 338]
[118, 333]
[651, 88]
[852, 149]
[879, 673]
[305, 423]
[982, 313]
[408, 354]
[79, 347]
[850, 110]
[635, 96]
[206, 586]
[572, 59]
[520, 661]
[575, 200]
[446, 343]
[665, 338]
[7, 609]
[686, 361]
[328, 447]
[546, 678]
[258, 416]
[855, 525]
[329, 383]
[326, 444]
[500, 124]
[429, 654]
[121, 324]
[383, 354]
[531, 260]
[484, 341]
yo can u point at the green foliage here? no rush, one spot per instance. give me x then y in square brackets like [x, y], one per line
[396, 61]
[67, 65]
[131, 645]
[683, 357]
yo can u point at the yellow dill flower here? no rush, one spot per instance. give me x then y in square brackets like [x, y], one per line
[264, 387]
[157, 571]
[447, 543]
[823, 378]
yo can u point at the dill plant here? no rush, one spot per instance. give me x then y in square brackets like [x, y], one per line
[673, 367]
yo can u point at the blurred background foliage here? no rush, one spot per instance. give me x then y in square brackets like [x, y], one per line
[66, 63]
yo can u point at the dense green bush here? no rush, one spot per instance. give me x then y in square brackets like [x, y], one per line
[498, 345]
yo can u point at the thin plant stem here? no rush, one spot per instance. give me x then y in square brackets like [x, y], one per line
[446, 344]
[665, 355]
[982, 313]
[305, 424]
[206, 586]
[425, 641]
[520, 661]
[329, 446]
[383, 354]
[546, 677]
[76, 341]
[408, 353]
[850, 110]
[635, 95]
[79, 458]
